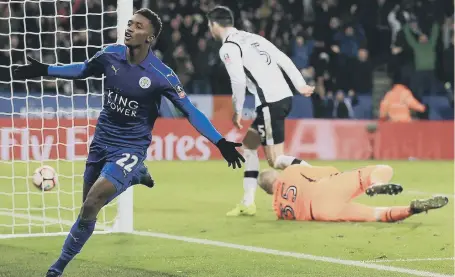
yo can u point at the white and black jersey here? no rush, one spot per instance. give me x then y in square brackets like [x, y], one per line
[255, 63]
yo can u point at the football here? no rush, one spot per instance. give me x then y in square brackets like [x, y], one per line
[45, 178]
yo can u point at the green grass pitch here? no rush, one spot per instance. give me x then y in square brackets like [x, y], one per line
[191, 198]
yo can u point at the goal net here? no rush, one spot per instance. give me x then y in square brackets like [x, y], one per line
[48, 121]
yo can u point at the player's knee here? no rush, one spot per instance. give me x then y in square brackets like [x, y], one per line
[249, 145]
[252, 140]
[386, 171]
[272, 159]
[91, 207]
[273, 163]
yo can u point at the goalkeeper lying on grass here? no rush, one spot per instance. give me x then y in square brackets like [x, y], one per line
[303, 192]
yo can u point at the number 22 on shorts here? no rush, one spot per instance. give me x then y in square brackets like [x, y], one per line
[127, 162]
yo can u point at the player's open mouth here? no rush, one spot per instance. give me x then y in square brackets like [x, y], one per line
[127, 36]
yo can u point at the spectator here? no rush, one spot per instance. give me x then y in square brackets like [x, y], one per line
[4, 70]
[397, 17]
[402, 53]
[349, 41]
[326, 39]
[342, 107]
[301, 52]
[201, 82]
[184, 67]
[398, 103]
[448, 63]
[319, 101]
[324, 79]
[346, 47]
[424, 60]
[374, 15]
[361, 72]
[17, 50]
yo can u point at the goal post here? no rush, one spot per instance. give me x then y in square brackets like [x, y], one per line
[48, 121]
[124, 222]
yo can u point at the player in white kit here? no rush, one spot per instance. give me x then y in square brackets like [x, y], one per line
[255, 64]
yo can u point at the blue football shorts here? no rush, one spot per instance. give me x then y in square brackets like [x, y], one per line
[120, 165]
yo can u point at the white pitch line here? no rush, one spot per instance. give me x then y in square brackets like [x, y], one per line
[410, 260]
[50, 220]
[363, 264]
[36, 235]
[292, 254]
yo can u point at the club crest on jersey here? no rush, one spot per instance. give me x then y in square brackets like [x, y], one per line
[144, 82]
[226, 58]
[180, 91]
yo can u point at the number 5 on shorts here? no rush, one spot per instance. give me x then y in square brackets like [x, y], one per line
[261, 129]
[127, 162]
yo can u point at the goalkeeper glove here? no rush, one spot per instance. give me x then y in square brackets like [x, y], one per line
[31, 70]
[230, 154]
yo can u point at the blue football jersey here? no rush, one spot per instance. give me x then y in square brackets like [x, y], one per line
[132, 98]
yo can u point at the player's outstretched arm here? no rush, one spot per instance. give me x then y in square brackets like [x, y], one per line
[204, 126]
[91, 67]
[37, 69]
[291, 70]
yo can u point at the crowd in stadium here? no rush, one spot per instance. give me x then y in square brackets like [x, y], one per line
[337, 45]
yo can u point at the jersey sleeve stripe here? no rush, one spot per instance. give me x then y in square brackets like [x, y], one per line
[241, 53]
[165, 76]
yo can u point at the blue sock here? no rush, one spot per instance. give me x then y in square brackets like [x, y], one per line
[78, 236]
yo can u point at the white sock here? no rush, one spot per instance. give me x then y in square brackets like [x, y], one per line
[250, 176]
[284, 161]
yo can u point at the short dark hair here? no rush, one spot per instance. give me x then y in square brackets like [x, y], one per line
[154, 19]
[221, 15]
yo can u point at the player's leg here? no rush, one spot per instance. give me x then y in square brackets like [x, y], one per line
[349, 184]
[273, 134]
[355, 212]
[95, 162]
[250, 143]
[84, 226]
[122, 167]
[376, 180]
[91, 174]
[278, 160]
[140, 176]
[125, 168]
[144, 177]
